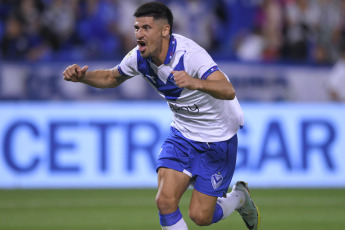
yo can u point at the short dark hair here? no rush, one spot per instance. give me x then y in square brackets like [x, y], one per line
[156, 10]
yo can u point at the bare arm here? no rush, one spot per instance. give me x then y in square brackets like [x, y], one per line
[216, 84]
[109, 78]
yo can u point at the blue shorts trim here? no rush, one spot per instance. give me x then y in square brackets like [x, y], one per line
[211, 165]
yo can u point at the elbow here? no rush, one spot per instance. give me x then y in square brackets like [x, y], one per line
[230, 95]
[106, 86]
[110, 84]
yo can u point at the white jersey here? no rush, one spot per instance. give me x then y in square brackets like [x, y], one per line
[336, 79]
[197, 115]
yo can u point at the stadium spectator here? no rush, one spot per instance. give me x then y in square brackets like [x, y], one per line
[272, 26]
[30, 12]
[194, 19]
[14, 43]
[336, 79]
[98, 29]
[251, 46]
[300, 24]
[337, 33]
[242, 18]
[324, 45]
[60, 27]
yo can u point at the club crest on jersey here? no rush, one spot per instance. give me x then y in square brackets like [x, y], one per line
[216, 180]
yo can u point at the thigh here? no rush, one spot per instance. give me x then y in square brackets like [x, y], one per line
[202, 206]
[171, 186]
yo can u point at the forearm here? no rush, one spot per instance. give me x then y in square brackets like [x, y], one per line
[102, 78]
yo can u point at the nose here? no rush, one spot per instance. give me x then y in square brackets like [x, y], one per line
[138, 34]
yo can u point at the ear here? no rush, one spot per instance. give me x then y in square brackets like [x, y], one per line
[166, 30]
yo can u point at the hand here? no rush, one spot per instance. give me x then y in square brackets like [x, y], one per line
[184, 80]
[75, 73]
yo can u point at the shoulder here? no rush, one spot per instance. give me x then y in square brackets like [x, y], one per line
[194, 53]
[186, 44]
[131, 55]
[128, 65]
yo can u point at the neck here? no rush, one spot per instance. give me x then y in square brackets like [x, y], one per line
[160, 58]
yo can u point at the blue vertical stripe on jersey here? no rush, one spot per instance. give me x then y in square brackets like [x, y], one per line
[171, 50]
[169, 89]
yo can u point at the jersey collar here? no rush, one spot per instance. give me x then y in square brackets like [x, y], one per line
[171, 50]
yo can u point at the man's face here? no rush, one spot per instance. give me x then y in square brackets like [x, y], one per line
[149, 36]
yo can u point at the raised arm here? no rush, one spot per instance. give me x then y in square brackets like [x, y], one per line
[108, 78]
[216, 84]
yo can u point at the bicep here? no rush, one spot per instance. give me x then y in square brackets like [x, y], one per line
[222, 87]
[218, 76]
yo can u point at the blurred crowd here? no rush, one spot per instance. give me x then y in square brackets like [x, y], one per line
[249, 30]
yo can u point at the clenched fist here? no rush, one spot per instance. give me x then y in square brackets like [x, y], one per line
[184, 80]
[75, 73]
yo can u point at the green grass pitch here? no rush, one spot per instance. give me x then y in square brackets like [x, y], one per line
[119, 209]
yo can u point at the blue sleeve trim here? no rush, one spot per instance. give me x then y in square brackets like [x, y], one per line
[208, 72]
[120, 70]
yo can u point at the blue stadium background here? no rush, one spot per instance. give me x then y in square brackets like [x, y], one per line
[277, 53]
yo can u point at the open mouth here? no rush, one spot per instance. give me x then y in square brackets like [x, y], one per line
[142, 46]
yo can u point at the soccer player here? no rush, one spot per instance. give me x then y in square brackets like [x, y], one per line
[202, 146]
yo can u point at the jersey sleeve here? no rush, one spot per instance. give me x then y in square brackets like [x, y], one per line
[200, 64]
[128, 66]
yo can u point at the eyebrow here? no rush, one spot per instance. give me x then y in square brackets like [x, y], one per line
[147, 25]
